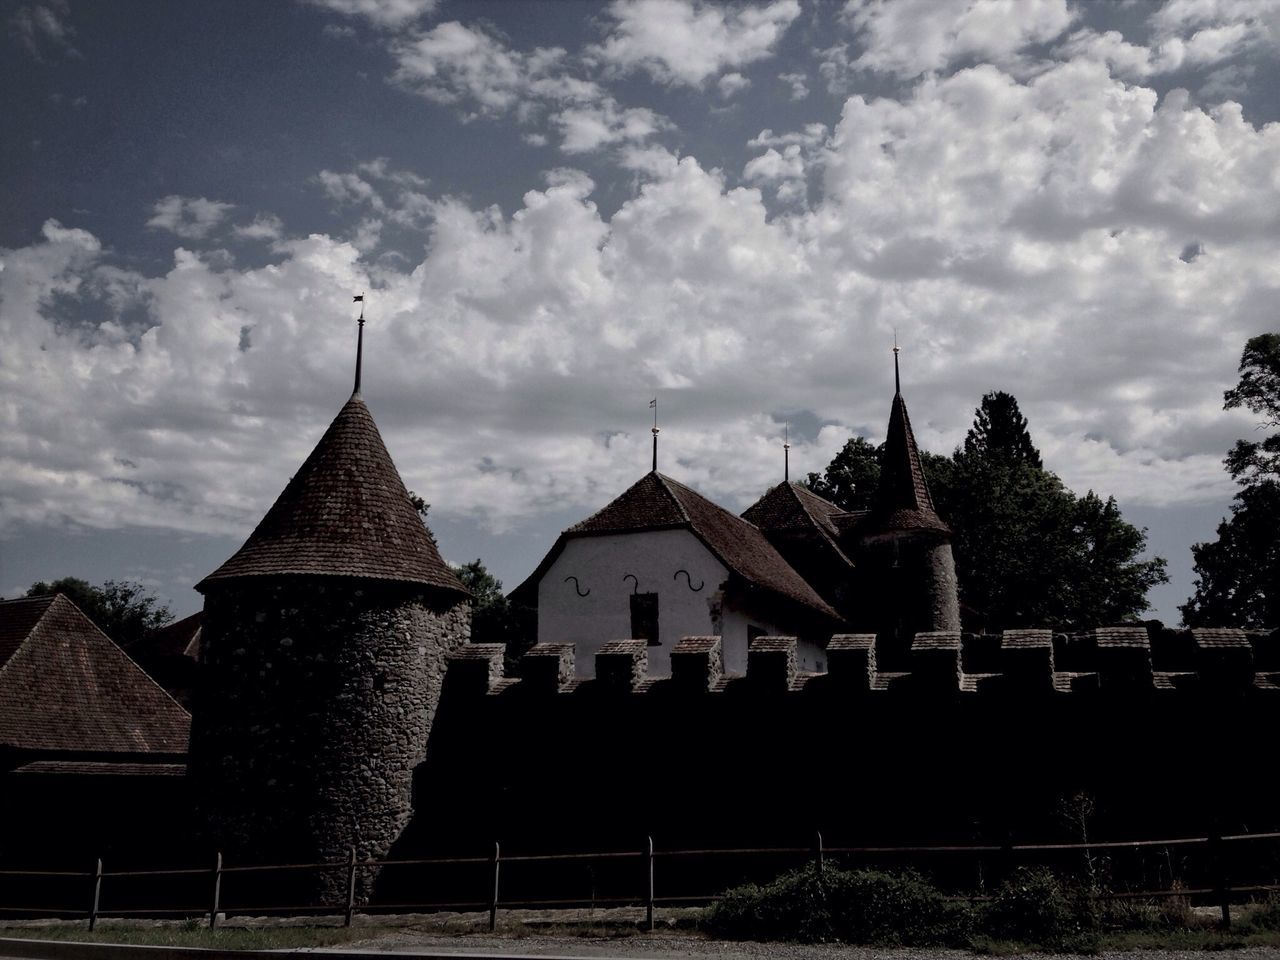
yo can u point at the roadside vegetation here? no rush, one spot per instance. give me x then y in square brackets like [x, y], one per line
[1033, 909]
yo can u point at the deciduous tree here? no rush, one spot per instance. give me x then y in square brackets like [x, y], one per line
[1238, 575]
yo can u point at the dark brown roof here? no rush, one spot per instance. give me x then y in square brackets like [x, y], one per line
[178, 639]
[66, 687]
[93, 768]
[345, 513]
[902, 502]
[656, 502]
[792, 508]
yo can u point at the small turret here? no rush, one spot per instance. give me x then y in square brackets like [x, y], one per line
[909, 569]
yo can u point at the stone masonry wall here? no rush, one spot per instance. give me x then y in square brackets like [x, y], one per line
[316, 704]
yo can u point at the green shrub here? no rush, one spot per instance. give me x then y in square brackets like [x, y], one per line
[1264, 916]
[1033, 906]
[858, 906]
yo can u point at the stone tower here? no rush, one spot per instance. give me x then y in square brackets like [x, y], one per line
[906, 547]
[323, 651]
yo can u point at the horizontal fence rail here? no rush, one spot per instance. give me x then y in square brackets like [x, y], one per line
[1220, 890]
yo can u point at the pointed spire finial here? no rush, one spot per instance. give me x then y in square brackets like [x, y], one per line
[359, 342]
[786, 452]
[653, 405]
[897, 381]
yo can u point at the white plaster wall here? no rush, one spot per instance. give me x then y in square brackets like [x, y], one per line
[604, 614]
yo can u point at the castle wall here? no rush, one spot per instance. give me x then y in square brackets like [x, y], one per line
[316, 701]
[980, 738]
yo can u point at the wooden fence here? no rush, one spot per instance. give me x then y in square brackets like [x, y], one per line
[1218, 890]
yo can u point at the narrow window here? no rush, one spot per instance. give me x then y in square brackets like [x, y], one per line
[644, 618]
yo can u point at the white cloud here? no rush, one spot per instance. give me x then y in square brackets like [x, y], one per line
[731, 83]
[44, 28]
[191, 218]
[798, 82]
[459, 64]
[907, 38]
[1187, 34]
[1019, 234]
[686, 41]
[384, 14]
[265, 226]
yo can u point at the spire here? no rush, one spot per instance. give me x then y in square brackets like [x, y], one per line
[359, 344]
[654, 405]
[786, 453]
[902, 503]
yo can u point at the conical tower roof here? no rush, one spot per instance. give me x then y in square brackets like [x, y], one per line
[345, 513]
[902, 503]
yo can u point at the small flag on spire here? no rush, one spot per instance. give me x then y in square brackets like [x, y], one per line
[653, 404]
[359, 299]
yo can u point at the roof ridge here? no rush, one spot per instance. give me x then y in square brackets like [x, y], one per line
[665, 480]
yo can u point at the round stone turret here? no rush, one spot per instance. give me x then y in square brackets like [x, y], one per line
[323, 649]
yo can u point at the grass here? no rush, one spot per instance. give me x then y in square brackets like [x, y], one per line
[228, 938]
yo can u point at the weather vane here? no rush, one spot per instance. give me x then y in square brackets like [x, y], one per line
[786, 451]
[897, 383]
[359, 340]
[653, 405]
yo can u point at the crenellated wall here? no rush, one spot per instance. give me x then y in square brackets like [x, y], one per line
[979, 737]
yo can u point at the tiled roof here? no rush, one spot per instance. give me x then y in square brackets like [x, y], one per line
[92, 768]
[345, 513]
[66, 686]
[792, 508]
[902, 500]
[656, 502]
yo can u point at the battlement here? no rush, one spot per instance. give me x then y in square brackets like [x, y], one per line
[1107, 661]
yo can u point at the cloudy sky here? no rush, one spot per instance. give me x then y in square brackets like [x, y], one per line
[559, 210]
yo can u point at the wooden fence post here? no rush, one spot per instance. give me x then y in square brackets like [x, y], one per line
[351, 888]
[649, 900]
[97, 893]
[217, 891]
[819, 853]
[1221, 882]
[493, 900]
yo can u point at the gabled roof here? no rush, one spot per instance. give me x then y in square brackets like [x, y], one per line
[656, 502]
[902, 502]
[792, 508]
[64, 686]
[345, 513]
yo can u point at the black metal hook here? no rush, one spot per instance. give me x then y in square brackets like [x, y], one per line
[688, 580]
[635, 587]
[577, 589]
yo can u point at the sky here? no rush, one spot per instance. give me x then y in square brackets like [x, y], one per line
[560, 210]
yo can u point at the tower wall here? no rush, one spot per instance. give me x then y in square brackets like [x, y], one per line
[317, 700]
[907, 585]
[940, 588]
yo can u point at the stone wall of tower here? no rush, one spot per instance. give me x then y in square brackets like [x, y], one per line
[940, 588]
[317, 699]
[906, 585]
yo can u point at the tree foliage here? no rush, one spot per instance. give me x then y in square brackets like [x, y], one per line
[1238, 575]
[493, 620]
[124, 610]
[1000, 432]
[1028, 551]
